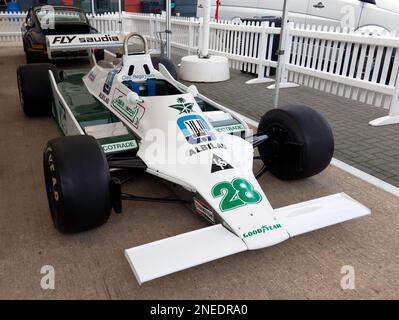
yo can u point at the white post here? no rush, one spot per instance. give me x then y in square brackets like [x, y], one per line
[394, 109]
[152, 32]
[92, 8]
[283, 58]
[120, 15]
[280, 55]
[204, 53]
[191, 35]
[168, 30]
[286, 57]
[261, 57]
[393, 117]
[200, 35]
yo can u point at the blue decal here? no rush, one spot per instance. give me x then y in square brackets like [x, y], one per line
[195, 129]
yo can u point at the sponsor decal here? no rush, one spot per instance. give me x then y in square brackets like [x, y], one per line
[262, 230]
[195, 129]
[219, 164]
[237, 193]
[230, 129]
[92, 76]
[206, 147]
[104, 98]
[108, 82]
[85, 39]
[120, 146]
[133, 114]
[183, 106]
[202, 209]
[138, 77]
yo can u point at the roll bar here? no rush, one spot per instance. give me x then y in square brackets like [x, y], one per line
[126, 41]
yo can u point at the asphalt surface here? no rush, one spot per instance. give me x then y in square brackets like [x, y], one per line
[92, 265]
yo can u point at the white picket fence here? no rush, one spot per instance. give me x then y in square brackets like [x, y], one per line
[361, 67]
[10, 28]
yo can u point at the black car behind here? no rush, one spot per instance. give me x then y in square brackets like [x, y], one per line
[52, 20]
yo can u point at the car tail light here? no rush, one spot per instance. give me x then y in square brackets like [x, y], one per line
[38, 46]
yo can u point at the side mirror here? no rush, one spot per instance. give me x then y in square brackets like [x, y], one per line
[193, 90]
[133, 98]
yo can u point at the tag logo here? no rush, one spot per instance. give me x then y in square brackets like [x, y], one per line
[219, 164]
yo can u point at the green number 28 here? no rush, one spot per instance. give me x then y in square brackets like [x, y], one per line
[236, 193]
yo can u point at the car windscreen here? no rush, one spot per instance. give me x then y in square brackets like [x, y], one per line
[60, 15]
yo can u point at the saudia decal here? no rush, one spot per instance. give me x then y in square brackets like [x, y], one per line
[134, 115]
[183, 106]
[87, 39]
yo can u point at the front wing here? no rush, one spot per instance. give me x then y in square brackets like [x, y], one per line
[163, 257]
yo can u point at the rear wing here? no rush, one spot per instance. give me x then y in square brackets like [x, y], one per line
[77, 42]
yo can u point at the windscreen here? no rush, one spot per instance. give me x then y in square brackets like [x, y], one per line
[60, 15]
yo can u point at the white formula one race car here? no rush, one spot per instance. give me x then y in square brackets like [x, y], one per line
[132, 114]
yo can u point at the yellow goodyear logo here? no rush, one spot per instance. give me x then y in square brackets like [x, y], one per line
[261, 230]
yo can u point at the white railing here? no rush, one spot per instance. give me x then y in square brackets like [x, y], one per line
[10, 28]
[356, 66]
[361, 67]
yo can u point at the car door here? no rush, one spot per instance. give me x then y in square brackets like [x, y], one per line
[296, 9]
[344, 13]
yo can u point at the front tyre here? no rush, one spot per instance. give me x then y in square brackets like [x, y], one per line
[77, 181]
[300, 144]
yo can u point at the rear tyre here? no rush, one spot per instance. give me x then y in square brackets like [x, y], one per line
[35, 89]
[156, 60]
[300, 144]
[77, 183]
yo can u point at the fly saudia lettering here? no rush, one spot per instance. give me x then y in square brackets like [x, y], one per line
[264, 229]
[87, 39]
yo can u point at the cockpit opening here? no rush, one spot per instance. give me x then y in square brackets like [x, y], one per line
[151, 88]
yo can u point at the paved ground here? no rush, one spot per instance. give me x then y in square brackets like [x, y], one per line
[92, 265]
[371, 149]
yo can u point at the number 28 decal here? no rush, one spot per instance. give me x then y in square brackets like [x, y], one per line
[236, 193]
